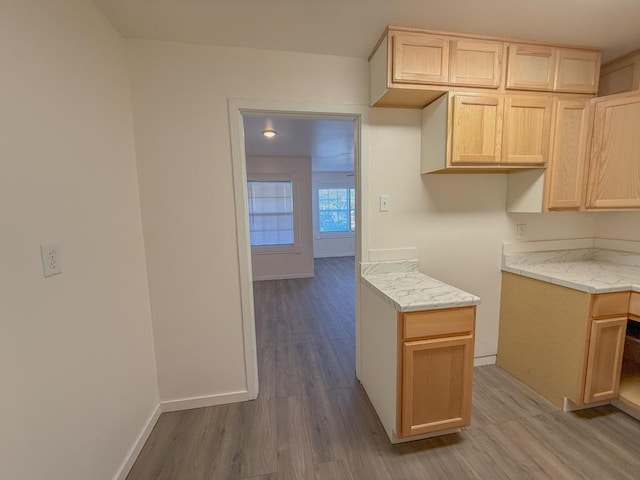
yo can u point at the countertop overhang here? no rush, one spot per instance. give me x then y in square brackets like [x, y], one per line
[591, 270]
[408, 290]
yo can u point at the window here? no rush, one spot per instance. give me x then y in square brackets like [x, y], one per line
[270, 213]
[336, 208]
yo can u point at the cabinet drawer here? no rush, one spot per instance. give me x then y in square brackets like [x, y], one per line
[609, 304]
[439, 322]
[634, 305]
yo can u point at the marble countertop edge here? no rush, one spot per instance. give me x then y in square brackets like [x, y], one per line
[421, 293]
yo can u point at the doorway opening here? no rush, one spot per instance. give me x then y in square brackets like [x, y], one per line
[298, 256]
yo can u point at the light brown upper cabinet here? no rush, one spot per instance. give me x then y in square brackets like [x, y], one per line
[568, 156]
[419, 58]
[577, 71]
[536, 67]
[476, 132]
[620, 75]
[527, 125]
[477, 129]
[411, 68]
[476, 63]
[530, 67]
[614, 164]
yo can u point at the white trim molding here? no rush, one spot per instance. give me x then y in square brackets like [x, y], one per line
[238, 107]
[482, 360]
[204, 401]
[135, 450]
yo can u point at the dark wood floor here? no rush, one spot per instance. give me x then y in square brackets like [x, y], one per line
[313, 421]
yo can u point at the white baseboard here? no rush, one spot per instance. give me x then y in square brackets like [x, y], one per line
[206, 401]
[481, 360]
[332, 255]
[282, 277]
[137, 445]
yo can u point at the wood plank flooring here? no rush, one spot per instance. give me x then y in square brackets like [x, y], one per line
[312, 421]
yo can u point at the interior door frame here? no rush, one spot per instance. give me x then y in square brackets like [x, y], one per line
[238, 107]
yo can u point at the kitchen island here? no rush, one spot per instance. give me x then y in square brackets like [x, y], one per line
[566, 325]
[416, 350]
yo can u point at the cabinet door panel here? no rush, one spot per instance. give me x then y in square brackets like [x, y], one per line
[605, 359]
[531, 67]
[614, 179]
[634, 305]
[527, 127]
[476, 130]
[621, 75]
[419, 58]
[577, 71]
[567, 160]
[436, 384]
[475, 63]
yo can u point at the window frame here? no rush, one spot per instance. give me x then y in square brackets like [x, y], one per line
[318, 235]
[275, 249]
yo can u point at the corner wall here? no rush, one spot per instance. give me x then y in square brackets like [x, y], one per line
[76, 349]
[181, 115]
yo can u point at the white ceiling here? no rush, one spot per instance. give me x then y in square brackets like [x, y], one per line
[328, 141]
[351, 27]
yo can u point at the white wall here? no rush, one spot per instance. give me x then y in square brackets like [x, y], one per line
[76, 353]
[618, 225]
[180, 103]
[336, 245]
[271, 263]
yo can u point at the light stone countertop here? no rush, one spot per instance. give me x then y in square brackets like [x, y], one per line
[590, 270]
[402, 285]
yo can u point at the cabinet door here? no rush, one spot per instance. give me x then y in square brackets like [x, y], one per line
[567, 160]
[475, 63]
[605, 359]
[527, 128]
[531, 67]
[577, 71]
[634, 305]
[420, 58]
[436, 384]
[477, 129]
[614, 163]
[620, 76]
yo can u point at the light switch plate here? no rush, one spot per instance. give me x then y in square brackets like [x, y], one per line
[385, 203]
[50, 254]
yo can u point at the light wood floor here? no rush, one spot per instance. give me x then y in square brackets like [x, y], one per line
[313, 421]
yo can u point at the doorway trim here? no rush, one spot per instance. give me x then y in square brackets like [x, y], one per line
[238, 107]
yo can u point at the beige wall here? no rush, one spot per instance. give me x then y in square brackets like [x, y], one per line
[76, 353]
[290, 264]
[619, 225]
[181, 118]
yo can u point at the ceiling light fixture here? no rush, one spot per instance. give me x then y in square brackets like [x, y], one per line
[269, 133]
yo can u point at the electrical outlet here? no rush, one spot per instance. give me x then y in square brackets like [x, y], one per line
[50, 254]
[520, 231]
[385, 203]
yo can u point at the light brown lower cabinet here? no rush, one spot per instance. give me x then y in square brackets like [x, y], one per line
[606, 344]
[563, 343]
[436, 384]
[416, 367]
[435, 355]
